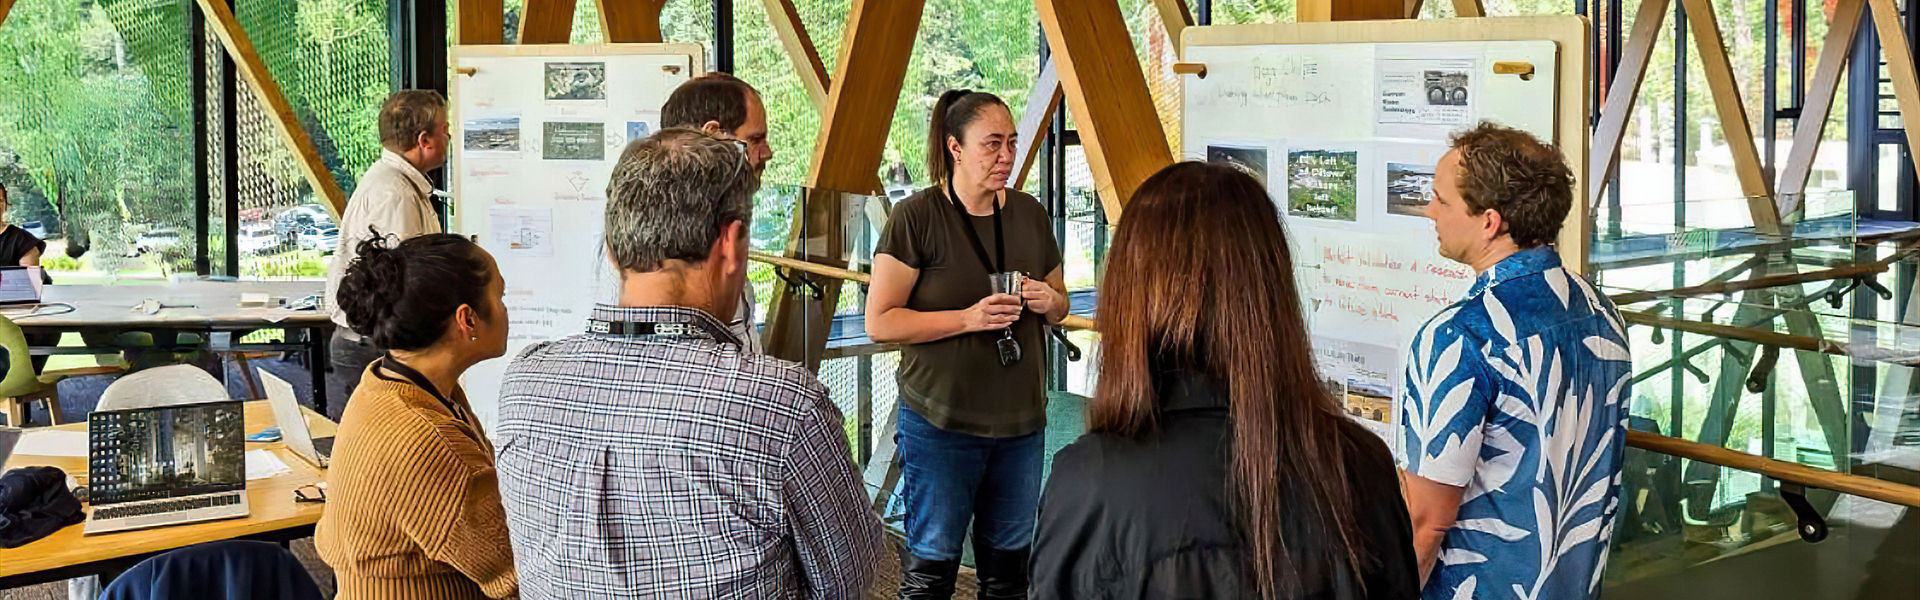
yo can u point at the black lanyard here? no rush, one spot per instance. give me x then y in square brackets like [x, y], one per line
[652, 328]
[999, 242]
[418, 380]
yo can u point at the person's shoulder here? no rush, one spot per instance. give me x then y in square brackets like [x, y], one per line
[920, 203]
[1022, 201]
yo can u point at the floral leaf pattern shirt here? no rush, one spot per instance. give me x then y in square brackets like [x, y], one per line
[1517, 393]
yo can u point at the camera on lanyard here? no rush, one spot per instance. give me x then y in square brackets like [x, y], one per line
[1009, 282]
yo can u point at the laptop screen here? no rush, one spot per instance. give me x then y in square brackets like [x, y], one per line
[20, 285]
[166, 452]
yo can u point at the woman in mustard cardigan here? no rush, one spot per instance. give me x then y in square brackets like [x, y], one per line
[413, 505]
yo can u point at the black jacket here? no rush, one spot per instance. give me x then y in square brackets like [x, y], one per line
[1153, 518]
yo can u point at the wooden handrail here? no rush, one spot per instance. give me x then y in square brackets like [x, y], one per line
[1845, 483]
[811, 267]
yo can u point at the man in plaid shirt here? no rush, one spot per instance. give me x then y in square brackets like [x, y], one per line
[651, 456]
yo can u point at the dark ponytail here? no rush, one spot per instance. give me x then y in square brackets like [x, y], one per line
[952, 114]
[404, 297]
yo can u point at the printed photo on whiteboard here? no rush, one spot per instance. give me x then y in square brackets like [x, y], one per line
[576, 81]
[522, 231]
[568, 140]
[1407, 187]
[1252, 161]
[1322, 184]
[1426, 92]
[1446, 87]
[1360, 377]
[638, 130]
[493, 134]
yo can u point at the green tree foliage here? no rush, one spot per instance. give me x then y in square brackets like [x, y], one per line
[85, 125]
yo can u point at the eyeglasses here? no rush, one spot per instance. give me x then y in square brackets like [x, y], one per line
[312, 492]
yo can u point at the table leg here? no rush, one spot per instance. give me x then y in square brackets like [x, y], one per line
[320, 358]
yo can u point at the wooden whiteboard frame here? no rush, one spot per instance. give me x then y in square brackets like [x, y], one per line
[1572, 133]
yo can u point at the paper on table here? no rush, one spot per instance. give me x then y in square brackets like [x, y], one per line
[262, 464]
[52, 443]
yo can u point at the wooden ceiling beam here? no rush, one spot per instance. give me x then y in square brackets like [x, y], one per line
[631, 21]
[1041, 105]
[1621, 96]
[1119, 126]
[547, 22]
[792, 32]
[846, 158]
[480, 22]
[1808, 129]
[279, 111]
[1734, 127]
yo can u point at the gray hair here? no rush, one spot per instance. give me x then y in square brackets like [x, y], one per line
[671, 194]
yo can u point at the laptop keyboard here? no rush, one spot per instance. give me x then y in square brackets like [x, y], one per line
[183, 504]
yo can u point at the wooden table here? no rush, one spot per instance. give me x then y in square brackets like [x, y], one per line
[208, 308]
[273, 515]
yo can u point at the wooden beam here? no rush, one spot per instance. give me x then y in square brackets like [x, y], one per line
[1733, 116]
[1174, 14]
[279, 111]
[806, 58]
[846, 157]
[1313, 11]
[481, 22]
[1900, 69]
[6, 7]
[631, 21]
[1468, 8]
[1042, 102]
[1807, 131]
[1119, 127]
[1625, 91]
[546, 22]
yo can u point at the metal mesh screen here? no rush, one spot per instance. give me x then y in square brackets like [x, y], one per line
[95, 122]
[331, 59]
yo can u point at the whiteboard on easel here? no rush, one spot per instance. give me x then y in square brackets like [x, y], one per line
[1345, 136]
[537, 130]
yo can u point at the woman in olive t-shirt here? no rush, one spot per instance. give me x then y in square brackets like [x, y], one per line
[971, 412]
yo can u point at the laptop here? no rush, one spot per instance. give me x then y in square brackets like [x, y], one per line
[293, 423]
[20, 285]
[168, 465]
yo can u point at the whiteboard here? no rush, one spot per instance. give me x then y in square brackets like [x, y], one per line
[537, 130]
[1345, 135]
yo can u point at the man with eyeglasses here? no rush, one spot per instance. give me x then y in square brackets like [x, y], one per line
[653, 456]
[726, 108]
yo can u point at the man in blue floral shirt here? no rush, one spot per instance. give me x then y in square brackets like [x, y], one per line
[1514, 412]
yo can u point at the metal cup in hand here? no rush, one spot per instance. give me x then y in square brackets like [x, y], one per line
[1009, 282]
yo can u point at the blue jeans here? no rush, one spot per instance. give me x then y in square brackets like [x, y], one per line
[952, 478]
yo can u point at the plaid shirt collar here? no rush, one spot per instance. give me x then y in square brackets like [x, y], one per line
[702, 324]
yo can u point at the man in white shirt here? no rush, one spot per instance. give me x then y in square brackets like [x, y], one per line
[394, 199]
[725, 107]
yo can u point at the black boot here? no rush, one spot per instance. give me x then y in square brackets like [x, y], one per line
[1003, 573]
[922, 579]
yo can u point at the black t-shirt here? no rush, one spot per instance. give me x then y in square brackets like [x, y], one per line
[14, 245]
[1154, 517]
[958, 383]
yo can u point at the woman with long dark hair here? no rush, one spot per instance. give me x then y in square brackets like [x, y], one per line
[972, 377]
[1215, 465]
